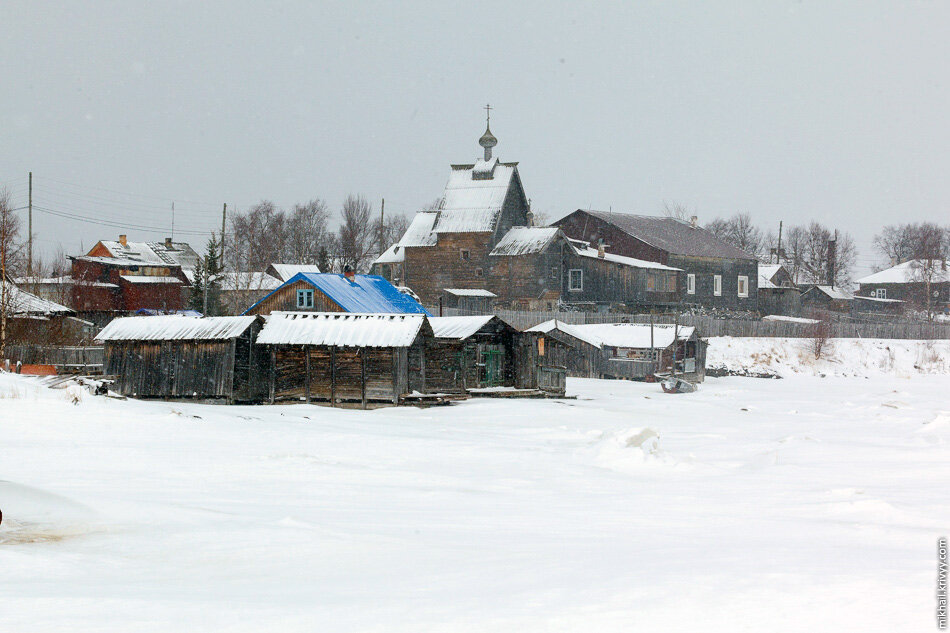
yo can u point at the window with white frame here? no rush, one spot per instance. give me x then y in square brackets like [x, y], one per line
[305, 298]
[743, 286]
[691, 284]
[717, 285]
[575, 280]
[880, 293]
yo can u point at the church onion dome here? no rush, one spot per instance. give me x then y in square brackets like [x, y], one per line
[488, 139]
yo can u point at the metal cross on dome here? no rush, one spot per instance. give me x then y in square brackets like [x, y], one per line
[488, 110]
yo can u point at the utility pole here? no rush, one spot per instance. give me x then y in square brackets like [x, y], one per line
[173, 220]
[778, 250]
[382, 224]
[832, 256]
[224, 217]
[29, 254]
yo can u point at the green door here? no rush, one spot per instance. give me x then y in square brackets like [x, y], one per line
[492, 367]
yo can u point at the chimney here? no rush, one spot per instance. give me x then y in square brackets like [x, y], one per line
[694, 221]
[123, 241]
[530, 218]
[168, 243]
[601, 252]
[349, 274]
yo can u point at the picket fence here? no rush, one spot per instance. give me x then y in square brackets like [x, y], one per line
[712, 326]
[66, 359]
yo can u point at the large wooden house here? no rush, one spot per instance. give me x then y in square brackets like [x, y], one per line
[715, 274]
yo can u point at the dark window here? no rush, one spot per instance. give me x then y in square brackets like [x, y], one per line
[465, 254]
[478, 272]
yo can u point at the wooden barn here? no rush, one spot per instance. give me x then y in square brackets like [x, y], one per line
[639, 350]
[581, 354]
[538, 363]
[184, 357]
[470, 352]
[330, 292]
[345, 358]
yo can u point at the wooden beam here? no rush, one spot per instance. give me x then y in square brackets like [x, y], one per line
[362, 354]
[273, 373]
[306, 387]
[332, 375]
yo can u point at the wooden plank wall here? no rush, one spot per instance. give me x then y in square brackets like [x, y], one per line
[338, 374]
[171, 369]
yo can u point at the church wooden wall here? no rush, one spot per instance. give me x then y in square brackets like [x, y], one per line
[430, 269]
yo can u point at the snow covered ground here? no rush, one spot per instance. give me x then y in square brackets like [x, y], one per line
[841, 357]
[752, 505]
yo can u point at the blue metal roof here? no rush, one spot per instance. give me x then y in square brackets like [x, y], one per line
[366, 293]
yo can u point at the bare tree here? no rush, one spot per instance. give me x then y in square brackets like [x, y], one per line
[392, 229]
[11, 249]
[807, 255]
[898, 243]
[308, 232]
[258, 236]
[739, 231]
[435, 205]
[678, 211]
[355, 236]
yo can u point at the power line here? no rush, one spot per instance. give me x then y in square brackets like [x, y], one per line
[115, 224]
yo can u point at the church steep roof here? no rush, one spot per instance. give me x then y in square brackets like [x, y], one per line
[472, 202]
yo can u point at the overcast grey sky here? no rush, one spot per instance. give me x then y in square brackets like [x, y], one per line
[835, 111]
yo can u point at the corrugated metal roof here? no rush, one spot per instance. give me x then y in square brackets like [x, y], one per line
[366, 293]
[341, 329]
[525, 240]
[392, 255]
[458, 327]
[175, 328]
[671, 235]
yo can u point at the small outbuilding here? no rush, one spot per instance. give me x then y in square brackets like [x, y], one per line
[639, 350]
[345, 357]
[476, 300]
[470, 352]
[581, 354]
[175, 356]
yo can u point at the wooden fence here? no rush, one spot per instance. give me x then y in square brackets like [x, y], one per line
[713, 326]
[66, 359]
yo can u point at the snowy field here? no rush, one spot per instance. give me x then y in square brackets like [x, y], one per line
[800, 504]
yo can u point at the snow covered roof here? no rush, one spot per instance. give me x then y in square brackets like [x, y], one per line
[121, 261]
[635, 335]
[567, 328]
[472, 204]
[458, 327]
[21, 302]
[525, 240]
[670, 234]
[835, 293]
[420, 232]
[174, 327]
[778, 317]
[907, 272]
[876, 299]
[620, 259]
[392, 255]
[341, 329]
[470, 292]
[149, 279]
[248, 281]
[766, 273]
[60, 281]
[173, 253]
[366, 293]
[286, 271]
